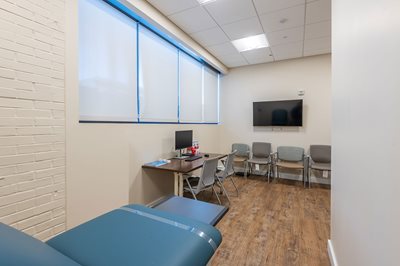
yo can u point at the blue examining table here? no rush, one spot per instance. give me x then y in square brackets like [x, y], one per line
[195, 209]
[131, 235]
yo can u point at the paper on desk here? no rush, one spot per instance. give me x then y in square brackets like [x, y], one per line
[157, 163]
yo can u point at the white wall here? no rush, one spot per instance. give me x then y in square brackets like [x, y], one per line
[104, 160]
[277, 81]
[32, 118]
[365, 132]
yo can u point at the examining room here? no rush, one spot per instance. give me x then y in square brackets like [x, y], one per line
[199, 132]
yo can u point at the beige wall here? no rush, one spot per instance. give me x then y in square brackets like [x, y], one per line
[365, 132]
[277, 81]
[104, 160]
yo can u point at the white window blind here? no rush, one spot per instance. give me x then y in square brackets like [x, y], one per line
[211, 96]
[158, 78]
[107, 63]
[191, 89]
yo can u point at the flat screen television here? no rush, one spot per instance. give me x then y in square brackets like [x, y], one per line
[278, 113]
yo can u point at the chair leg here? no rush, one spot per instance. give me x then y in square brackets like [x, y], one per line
[245, 169]
[225, 192]
[277, 174]
[273, 170]
[233, 182]
[211, 194]
[308, 172]
[191, 189]
[267, 173]
[216, 194]
[304, 178]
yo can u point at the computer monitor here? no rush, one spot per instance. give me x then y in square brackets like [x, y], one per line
[183, 139]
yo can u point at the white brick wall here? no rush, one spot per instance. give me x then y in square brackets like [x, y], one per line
[32, 116]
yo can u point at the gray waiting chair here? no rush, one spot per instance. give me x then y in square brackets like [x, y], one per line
[227, 172]
[291, 158]
[320, 159]
[206, 180]
[261, 155]
[242, 155]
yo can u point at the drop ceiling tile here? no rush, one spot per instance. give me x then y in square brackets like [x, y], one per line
[285, 36]
[222, 49]
[228, 11]
[283, 19]
[193, 20]
[267, 6]
[243, 28]
[258, 56]
[215, 24]
[233, 60]
[210, 37]
[318, 11]
[318, 30]
[287, 51]
[169, 7]
[317, 46]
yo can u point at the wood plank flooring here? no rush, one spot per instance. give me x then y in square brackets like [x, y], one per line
[280, 223]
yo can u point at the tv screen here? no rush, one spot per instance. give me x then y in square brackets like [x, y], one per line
[183, 139]
[278, 113]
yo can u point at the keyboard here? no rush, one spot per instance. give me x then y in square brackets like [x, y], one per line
[192, 158]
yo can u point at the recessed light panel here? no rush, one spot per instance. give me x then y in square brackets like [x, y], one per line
[251, 43]
[204, 2]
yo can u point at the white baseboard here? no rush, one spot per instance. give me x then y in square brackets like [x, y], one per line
[154, 202]
[331, 252]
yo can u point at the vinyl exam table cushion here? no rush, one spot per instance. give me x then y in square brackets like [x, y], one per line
[137, 235]
[19, 249]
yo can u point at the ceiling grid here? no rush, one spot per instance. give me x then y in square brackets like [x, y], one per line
[294, 28]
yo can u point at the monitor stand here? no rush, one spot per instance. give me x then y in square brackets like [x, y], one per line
[181, 156]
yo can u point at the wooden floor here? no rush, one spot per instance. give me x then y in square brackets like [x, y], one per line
[280, 223]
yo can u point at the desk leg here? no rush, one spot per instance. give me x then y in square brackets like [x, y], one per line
[176, 184]
[181, 185]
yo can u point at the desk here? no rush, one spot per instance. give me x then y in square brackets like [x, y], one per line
[180, 167]
[195, 209]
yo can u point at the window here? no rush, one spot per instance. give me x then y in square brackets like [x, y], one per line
[191, 90]
[158, 78]
[131, 72]
[107, 63]
[211, 96]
